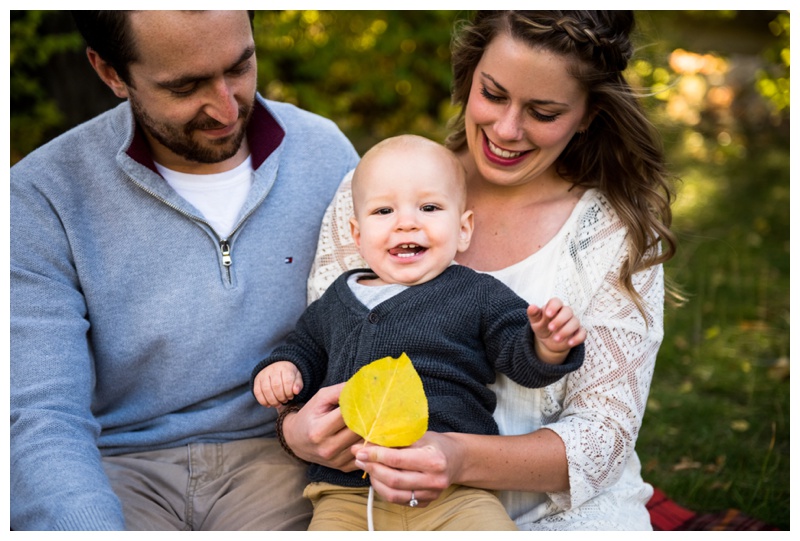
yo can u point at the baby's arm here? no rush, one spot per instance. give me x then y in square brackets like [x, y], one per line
[557, 330]
[277, 384]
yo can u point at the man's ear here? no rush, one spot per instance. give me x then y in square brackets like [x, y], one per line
[108, 74]
[355, 232]
[465, 234]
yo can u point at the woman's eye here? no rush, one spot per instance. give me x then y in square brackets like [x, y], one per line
[542, 117]
[489, 96]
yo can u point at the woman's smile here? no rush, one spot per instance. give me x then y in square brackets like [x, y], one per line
[502, 156]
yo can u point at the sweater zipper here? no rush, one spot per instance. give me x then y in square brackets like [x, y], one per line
[224, 245]
[226, 252]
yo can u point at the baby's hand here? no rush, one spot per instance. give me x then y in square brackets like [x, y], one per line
[277, 384]
[557, 330]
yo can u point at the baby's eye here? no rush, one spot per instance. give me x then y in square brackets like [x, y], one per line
[383, 211]
[429, 208]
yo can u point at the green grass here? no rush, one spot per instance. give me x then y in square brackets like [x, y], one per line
[716, 432]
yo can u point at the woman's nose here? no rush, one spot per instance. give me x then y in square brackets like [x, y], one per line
[509, 126]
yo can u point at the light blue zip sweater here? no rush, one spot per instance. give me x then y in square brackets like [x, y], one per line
[129, 330]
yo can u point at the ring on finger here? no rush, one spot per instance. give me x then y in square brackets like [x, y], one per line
[413, 502]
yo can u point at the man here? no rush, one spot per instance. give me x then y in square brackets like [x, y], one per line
[163, 250]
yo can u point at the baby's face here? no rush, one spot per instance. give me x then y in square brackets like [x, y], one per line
[409, 221]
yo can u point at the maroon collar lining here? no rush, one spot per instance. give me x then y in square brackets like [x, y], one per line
[264, 135]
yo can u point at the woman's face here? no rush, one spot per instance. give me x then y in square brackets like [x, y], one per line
[523, 109]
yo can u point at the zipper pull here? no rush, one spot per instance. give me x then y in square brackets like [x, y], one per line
[226, 252]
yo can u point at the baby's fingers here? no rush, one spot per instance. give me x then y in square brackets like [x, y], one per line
[264, 393]
[538, 321]
[578, 337]
[297, 384]
[567, 331]
[281, 385]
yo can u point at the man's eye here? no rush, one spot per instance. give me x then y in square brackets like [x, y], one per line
[185, 90]
[240, 69]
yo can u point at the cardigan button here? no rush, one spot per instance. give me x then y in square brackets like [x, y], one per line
[373, 317]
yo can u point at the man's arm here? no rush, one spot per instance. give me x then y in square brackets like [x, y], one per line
[57, 478]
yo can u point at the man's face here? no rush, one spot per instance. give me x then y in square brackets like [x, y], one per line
[194, 86]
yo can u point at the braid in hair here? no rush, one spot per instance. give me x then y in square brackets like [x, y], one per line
[608, 48]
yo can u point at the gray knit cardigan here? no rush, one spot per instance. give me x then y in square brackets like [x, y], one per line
[458, 330]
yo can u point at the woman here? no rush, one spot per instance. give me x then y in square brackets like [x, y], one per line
[571, 200]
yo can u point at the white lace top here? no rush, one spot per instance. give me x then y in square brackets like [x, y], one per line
[597, 410]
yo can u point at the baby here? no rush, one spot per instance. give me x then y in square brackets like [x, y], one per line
[457, 326]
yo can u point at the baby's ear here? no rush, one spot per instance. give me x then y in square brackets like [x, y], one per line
[355, 232]
[465, 234]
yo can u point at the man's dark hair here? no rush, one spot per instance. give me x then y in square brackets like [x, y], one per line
[109, 34]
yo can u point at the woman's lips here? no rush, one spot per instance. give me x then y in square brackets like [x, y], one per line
[500, 155]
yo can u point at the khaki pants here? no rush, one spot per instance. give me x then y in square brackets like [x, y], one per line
[242, 485]
[458, 508]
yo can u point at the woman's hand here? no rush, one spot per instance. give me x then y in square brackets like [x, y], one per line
[427, 467]
[317, 432]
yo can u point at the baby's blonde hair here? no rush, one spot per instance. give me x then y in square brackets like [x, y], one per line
[409, 142]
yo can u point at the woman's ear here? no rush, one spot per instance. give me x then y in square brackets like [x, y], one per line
[107, 74]
[587, 120]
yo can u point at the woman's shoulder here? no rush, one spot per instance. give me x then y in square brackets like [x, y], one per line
[594, 225]
[595, 211]
[594, 243]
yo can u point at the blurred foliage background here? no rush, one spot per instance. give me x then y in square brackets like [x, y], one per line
[716, 432]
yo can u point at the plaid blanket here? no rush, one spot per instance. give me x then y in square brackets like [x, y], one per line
[666, 515]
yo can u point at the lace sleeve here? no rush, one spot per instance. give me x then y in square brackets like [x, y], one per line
[605, 399]
[336, 250]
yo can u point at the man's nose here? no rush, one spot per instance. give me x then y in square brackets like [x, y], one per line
[222, 105]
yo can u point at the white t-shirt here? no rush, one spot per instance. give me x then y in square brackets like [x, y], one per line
[219, 196]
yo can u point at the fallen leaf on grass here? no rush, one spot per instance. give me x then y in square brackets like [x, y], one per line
[740, 425]
[686, 463]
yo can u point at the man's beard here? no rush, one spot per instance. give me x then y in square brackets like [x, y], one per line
[179, 139]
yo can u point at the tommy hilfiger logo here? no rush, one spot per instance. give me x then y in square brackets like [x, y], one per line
[288, 260]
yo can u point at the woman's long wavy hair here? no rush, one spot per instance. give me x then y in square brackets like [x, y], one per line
[620, 154]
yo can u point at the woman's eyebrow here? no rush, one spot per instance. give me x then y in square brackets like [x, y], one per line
[532, 101]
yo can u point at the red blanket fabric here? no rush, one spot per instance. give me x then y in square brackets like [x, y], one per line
[666, 515]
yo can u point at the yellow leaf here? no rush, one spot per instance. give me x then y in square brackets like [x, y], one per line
[385, 404]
